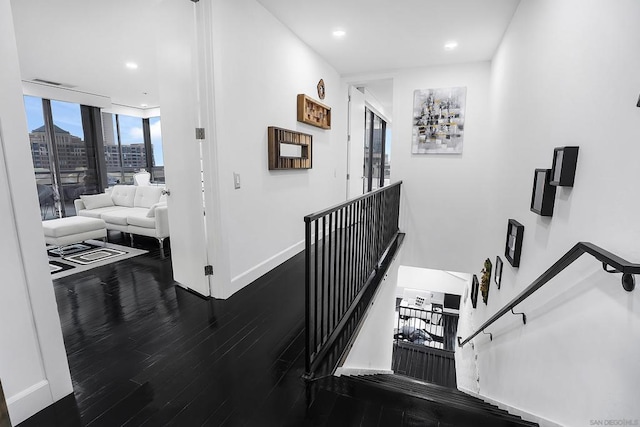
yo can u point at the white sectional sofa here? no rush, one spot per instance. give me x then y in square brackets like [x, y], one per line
[131, 209]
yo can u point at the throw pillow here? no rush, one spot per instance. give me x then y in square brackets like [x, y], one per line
[96, 201]
[151, 213]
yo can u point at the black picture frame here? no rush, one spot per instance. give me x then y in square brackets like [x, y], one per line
[543, 195]
[475, 287]
[513, 245]
[563, 171]
[497, 276]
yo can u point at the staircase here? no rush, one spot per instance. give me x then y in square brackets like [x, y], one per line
[395, 400]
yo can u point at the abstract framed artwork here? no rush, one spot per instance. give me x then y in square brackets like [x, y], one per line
[497, 277]
[438, 120]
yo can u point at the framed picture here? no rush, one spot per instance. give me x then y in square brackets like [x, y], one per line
[438, 120]
[543, 196]
[497, 277]
[475, 287]
[563, 171]
[513, 246]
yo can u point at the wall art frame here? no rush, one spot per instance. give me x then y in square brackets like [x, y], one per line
[497, 276]
[563, 171]
[513, 245]
[543, 195]
[312, 112]
[288, 149]
[438, 120]
[475, 286]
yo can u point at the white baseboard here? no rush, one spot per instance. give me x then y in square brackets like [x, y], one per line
[527, 416]
[360, 371]
[29, 402]
[243, 279]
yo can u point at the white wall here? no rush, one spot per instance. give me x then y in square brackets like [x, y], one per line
[259, 68]
[431, 280]
[33, 364]
[444, 197]
[372, 350]
[566, 73]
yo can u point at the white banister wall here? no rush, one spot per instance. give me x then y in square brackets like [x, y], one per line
[372, 350]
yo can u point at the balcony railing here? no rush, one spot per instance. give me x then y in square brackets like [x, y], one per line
[344, 247]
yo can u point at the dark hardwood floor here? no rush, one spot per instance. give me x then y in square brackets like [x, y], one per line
[145, 352]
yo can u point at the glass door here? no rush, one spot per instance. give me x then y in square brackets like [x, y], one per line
[75, 160]
[63, 162]
[376, 162]
[42, 157]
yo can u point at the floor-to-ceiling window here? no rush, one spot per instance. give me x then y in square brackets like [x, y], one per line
[62, 155]
[132, 144]
[67, 142]
[155, 136]
[376, 152]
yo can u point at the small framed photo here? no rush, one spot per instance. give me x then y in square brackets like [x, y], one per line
[513, 246]
[475, 287]
[497, 277]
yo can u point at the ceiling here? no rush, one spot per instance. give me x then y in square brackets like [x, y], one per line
[89, 42]
[85, 44]
[385, 35]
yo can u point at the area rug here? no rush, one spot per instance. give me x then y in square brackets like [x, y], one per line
[79, 257]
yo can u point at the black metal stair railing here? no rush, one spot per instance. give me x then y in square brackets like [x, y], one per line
[617, 264]
[344, 246]
[432, 328]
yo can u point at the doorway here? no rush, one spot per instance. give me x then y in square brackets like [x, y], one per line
[369, 153]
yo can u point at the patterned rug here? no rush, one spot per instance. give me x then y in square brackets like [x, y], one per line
[72, 259]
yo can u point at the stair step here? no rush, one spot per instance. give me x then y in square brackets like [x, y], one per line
[438, 392]
[447, 412]
[457, 397]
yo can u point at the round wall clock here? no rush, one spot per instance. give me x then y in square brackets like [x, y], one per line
[321, 89]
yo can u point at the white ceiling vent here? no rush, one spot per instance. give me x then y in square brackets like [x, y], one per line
[49, 82]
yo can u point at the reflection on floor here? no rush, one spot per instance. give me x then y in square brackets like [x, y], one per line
[143, 351]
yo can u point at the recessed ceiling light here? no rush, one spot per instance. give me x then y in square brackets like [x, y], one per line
[339, 33]
[450, 45]
[131, 65]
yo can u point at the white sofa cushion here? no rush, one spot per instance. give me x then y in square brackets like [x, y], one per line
[146, 196]
[142, 221]
[123, 195]
[95, 201]
[97, 213]
[118, 217]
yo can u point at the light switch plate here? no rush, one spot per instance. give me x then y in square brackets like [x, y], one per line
[236, 180]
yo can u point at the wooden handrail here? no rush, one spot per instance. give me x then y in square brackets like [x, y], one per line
[608, 259]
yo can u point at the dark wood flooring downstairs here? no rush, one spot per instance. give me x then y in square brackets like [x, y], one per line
[145, 352]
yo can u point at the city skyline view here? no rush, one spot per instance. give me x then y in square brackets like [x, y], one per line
[67, 117]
